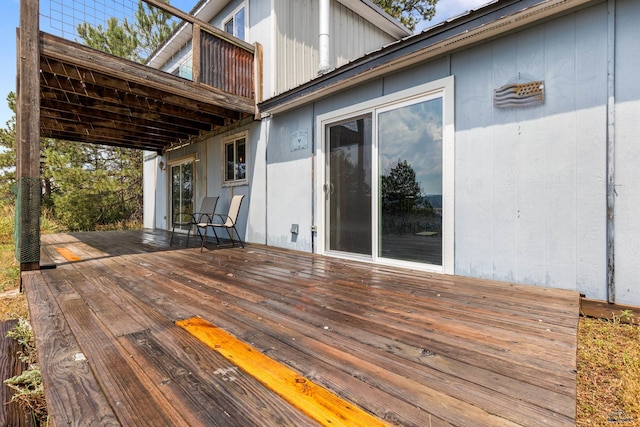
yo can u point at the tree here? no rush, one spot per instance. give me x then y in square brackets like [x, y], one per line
[134, 41]
[94, 185]
[8, 153]
[409, 12]
[400, 189]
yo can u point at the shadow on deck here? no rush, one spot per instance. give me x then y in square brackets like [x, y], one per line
[410, 348]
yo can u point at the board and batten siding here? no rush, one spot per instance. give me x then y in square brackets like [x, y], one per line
[297, 56]
[627, 153]
[530, 186]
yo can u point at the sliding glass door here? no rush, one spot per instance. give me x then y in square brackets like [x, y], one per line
[182, 191]
[348, 188]
[383, 186]
[410, 177]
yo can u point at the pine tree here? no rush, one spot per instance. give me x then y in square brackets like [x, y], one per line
[409, 12]
[8, 153]
[399, 187]
[130, 40]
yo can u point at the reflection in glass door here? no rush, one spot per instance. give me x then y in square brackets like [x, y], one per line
[348, 186]
[410, 180]
[181, 191]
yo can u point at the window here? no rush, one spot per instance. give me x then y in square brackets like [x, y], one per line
[235, 155]
[184, 69]
[235, 24]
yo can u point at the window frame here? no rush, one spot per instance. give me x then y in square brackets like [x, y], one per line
[232, 18]
[443, 88]
[233, 140]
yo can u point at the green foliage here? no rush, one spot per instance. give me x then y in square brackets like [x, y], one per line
[8, 153]
[113, 39]
[134, 41]
[84, 187]
[28, 386]
[409, 12]
[399, 187]
[94, 185]
[23, 334]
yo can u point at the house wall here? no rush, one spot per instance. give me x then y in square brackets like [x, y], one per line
[627, 153]
[296, 39]
[251, 221]
[530, 183]
[290, 180]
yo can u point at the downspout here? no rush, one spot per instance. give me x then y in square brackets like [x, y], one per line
[266, 120]
[611, 190]
[323, 38]
[313, 178]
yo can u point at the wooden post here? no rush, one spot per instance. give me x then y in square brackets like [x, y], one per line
[257, 76]
[196, 46]
[28, 137]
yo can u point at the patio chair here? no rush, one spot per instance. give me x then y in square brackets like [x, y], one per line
[205, 213]
[227, 222]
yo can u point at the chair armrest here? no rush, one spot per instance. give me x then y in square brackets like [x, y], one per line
[197, 217]
[224, 218]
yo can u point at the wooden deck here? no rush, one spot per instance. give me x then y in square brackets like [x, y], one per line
[410, 348]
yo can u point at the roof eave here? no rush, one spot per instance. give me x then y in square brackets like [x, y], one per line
[485, 23]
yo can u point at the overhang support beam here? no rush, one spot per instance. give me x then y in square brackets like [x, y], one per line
[29, 194]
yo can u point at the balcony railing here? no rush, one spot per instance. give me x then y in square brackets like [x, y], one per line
[195, 50]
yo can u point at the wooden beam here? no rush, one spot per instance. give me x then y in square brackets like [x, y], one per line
[196, 63]
[28, 137]
[604, 310]
[204, 25]
[109, 65]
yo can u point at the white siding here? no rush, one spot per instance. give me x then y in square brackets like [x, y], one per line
[531, 182]
[627, 135]
[251, 221]
[296, 40]
[290, 181]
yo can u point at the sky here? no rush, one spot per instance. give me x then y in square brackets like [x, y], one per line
[10, 16]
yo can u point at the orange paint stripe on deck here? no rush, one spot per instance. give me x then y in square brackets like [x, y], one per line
[68, 255]
[313, 400]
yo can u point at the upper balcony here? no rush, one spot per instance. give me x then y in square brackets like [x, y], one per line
[194, 80]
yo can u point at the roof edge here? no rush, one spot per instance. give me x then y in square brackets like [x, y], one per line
[378, 17]
[493, 20]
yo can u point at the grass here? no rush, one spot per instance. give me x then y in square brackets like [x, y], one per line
[608, 385]
[608, 372]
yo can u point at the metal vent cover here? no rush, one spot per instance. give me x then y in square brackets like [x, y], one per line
[519, 95]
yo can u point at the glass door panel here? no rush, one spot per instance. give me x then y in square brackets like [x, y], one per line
[410, 181]
[348, 186]
[181, 192]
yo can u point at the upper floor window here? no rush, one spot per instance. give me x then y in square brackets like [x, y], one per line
[184, 68]
[235, 24]
[235, 155]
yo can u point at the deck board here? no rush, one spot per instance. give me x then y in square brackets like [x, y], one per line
[411, 348]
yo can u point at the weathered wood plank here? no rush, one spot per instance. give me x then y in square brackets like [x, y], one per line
[121, 378]
[313, 400]
[414, 349]
[73, 394]
[292, 325]
[605, 310]
[210, 390]
[10, 412]
[91, 59]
